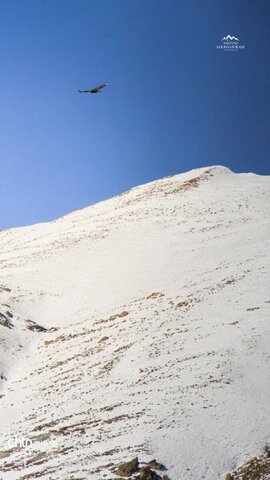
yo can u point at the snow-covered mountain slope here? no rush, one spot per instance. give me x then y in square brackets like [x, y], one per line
[139, 327]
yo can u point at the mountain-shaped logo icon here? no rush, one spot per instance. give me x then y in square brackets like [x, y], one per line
[230, 38]
[230, 43]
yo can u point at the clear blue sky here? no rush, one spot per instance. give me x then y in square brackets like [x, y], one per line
[174, 102]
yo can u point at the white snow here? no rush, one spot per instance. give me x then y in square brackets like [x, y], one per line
[184, 377]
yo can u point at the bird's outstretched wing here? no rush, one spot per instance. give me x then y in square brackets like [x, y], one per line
[96, 89]
[103, 85]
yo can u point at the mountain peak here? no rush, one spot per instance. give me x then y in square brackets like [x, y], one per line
[131, 328]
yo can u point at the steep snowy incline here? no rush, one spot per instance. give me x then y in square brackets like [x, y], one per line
[139, 326]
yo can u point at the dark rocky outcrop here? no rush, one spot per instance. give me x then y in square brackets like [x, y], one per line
[34, 327]
[126, 469]
[155, 465]
[131, 470]
[147, 474]
[5, 321]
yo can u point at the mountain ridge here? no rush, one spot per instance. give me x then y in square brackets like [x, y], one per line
[135, 323]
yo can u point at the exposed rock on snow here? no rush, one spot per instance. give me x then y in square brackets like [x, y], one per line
[155, 465]
[139, 327]
[255, 468]
[145, 472]
[126, 469]
[5, 320]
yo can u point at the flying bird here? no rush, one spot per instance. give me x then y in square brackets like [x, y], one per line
[96, 89]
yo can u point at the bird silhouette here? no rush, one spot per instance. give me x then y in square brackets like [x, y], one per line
[96, 89]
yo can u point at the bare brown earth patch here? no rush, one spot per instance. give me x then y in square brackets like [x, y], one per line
[182, 304]
[154, 295]
[103, 339]
[122, 314]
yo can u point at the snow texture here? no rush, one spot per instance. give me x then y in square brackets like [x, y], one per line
[139, 326]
